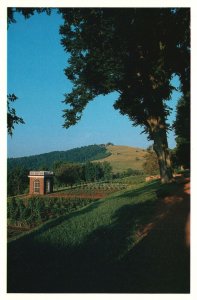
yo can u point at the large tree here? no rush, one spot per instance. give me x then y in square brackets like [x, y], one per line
[132, 51]
[182, 131]
[68, 173]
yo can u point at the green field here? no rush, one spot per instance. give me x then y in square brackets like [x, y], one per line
[82, 251]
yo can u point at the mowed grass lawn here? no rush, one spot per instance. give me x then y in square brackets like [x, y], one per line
[83, 251]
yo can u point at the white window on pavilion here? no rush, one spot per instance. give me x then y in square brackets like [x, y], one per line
[37, 186]
[48, 186]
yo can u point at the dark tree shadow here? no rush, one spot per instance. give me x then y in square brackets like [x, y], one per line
[160, 263]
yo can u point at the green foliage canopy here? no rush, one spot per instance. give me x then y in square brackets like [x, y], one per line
[182, 131]
[70, 173]
[12, 118]
[132, 51]
[17, 180]
[27, 12]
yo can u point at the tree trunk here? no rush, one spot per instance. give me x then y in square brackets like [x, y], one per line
[160, 146]
[161, 149]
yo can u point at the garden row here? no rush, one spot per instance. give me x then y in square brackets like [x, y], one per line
[96, 187]
[28, 213]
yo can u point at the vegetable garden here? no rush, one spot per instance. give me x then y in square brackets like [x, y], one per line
[26, 213]
[91, 190]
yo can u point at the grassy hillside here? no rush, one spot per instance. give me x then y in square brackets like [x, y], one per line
[106, 248]
[81, 252]
[125, 157]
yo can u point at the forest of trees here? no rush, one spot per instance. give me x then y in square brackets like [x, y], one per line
[71, 174]
[45, 161]
[17, 181]
[65, 174]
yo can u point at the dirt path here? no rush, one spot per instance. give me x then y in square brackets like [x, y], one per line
[181, 195]
[160, 262]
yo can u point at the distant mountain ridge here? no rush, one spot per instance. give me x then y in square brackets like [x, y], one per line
[47, 160]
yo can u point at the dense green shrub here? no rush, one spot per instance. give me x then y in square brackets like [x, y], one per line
[151, 165]
[12, 209]
[127, 173]
[17, 180]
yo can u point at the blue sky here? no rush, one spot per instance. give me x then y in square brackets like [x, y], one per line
[35, 74]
